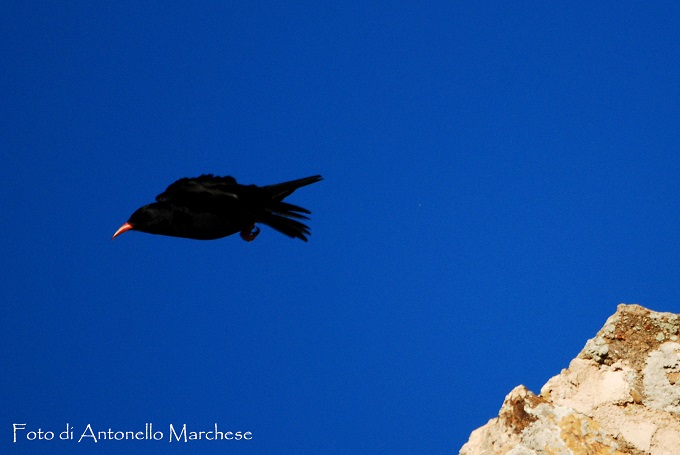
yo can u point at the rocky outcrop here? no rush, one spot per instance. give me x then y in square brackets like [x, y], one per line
[620, 395]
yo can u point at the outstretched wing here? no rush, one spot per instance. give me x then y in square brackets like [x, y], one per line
[280, 191]
[205, 188]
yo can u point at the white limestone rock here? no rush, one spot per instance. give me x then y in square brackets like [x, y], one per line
[620, 395]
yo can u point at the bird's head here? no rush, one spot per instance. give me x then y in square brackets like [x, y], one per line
[150, 218]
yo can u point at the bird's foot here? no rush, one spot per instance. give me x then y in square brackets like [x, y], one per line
[249, 234]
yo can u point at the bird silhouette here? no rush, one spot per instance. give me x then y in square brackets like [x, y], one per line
[211, 207]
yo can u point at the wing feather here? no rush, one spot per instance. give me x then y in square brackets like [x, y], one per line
[206, 187]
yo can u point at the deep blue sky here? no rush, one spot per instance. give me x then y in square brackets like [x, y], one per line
[497, 179]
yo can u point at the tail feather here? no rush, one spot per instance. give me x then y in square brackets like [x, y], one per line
[290, 210]
[283, 216]
[287, 226]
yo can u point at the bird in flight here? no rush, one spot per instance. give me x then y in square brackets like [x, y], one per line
[211, 207]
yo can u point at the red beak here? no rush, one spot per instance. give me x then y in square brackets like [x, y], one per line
[123, 228]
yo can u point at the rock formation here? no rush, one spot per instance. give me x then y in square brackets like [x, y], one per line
[620, 395]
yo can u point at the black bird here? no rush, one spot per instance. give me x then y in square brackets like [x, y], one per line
[210, 207]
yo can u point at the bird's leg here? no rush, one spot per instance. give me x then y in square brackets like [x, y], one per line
[249, 234]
